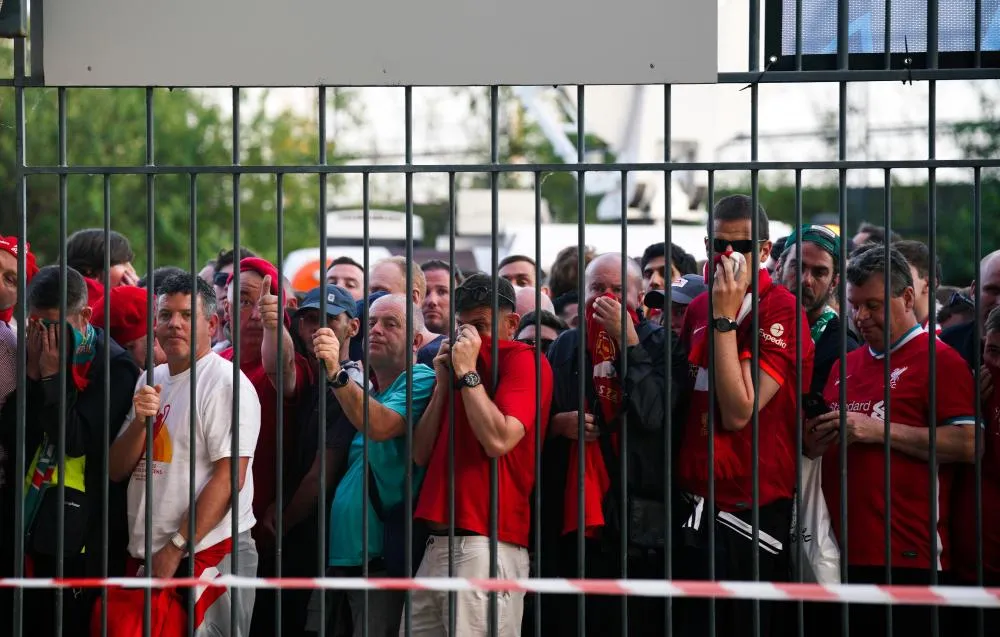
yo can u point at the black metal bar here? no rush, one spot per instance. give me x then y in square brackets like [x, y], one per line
[106, 432]
[932, 320]
[494, 615]
[798, 539]
[365, 495]
[755, 234]
[452, 218]
[887, 41]
[978, 18]
[581, 211]
[150, 361]
[977, 220]
[537, 183]
[842, 211]
[321, 506]
[668, 451]
[279, 478]
[582, 167]
[234, 314]
[710, 421]
[63, 315]
[886, 378]
[193, 395]
[21, 312]
[408, 522]
[623, 374]
[798, 35]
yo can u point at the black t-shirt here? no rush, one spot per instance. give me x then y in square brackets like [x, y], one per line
[426, 354]
[339, 430]
[827, 352]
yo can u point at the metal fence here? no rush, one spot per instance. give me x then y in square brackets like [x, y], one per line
[892, 67]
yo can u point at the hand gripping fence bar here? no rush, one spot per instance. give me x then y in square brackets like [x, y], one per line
[963, 596]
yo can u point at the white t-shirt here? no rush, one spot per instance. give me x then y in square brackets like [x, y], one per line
[172, 451]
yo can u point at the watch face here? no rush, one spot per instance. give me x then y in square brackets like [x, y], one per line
[471, 379]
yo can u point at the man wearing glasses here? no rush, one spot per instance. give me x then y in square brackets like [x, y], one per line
[491, 420]
[737, 394]
[552, 327]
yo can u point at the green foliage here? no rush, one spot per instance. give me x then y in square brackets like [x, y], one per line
[106, 128]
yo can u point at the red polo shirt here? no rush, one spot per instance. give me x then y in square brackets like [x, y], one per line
[515, 396]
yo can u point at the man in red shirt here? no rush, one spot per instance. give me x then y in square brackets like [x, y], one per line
[731, 331]
[261, 324]
[492, 420]
[913, 555]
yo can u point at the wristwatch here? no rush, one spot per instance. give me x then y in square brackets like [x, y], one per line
[469, 380]
[725, 324]
[179, 541]
[341, 379]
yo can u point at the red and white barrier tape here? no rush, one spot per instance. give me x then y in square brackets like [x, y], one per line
[778, 591]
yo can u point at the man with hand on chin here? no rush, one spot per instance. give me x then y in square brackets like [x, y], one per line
[731, 329]
[909, 422]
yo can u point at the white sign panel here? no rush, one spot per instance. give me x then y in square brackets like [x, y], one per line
[277, 43]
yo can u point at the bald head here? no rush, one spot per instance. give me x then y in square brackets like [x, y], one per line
[988, 285]
[526, 301]
[604, 275]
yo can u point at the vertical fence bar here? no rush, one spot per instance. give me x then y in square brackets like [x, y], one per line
[494, 616]
[798, 35]
[234, 314]
[321, 505]
[408, 524]
[365, 450]
[710, 421]
[887, 387]
[106, 397]
[193, 396]
[623, 375]
[843, 44]
[21, 312]
[932, 248]
[977, 221]
[978, 51]
[537, 511]
[279, 496]
[63, 315]
[668, 357]
[452, 217]
[755, 234]
[581, 262]
[798, 539]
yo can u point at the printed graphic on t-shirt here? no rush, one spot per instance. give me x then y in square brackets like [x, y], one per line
[163, 447]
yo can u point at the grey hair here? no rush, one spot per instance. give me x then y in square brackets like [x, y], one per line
[873, 261]
[403, 301]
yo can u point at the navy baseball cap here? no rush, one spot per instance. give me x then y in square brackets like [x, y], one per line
[682, 292]
[338, 301]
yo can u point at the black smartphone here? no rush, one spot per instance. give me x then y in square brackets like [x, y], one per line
[814, 406]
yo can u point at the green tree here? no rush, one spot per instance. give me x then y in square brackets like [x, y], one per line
[106, 128]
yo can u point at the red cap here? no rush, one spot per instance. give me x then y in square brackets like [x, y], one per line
[95, 292]
[264, 268]
[9, 245]
[129, 313]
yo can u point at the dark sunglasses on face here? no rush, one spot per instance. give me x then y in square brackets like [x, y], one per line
[479, 295]
[545, 342]
[958, 299]
[221, 279]
[743, 246]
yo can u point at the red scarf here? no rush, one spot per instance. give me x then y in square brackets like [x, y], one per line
[604, 353]
[732, 448]
[9, 245]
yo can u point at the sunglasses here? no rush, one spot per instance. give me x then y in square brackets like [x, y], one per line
[221, 279]
[743, 246]
[545, 342]
[464, 296]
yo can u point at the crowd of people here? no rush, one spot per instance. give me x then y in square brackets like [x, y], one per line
[430, 375]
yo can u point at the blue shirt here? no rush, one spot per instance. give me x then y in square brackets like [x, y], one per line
[388, 461]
